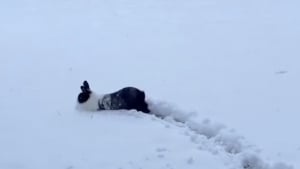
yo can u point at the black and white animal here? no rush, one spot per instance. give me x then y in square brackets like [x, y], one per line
[127, 98]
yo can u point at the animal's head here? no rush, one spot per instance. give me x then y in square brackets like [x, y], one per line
[85, 93]
[87, 99]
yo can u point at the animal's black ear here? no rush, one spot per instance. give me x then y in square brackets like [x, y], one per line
[83, 89]
[86, 85]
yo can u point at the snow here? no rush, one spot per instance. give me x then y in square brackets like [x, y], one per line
[222, 75]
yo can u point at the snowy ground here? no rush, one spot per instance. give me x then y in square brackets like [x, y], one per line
[228, 63]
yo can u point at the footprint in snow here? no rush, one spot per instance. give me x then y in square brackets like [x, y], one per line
[190, 161]
[160, 150]
[161, 156]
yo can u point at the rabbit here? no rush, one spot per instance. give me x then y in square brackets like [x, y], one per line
[128, 98]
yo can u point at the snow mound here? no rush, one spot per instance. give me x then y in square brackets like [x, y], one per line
[251, 161]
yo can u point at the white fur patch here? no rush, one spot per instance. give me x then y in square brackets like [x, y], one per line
[91, 104]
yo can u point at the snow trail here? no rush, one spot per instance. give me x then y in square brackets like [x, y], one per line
[214, 137]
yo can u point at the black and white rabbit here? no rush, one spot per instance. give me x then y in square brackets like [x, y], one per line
[127, 98]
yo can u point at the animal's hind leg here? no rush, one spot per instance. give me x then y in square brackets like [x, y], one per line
[143, 106]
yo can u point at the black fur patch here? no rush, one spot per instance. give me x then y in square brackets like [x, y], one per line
[85, 92]
[128, 98]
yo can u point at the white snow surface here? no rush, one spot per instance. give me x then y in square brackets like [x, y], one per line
[223, 77]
